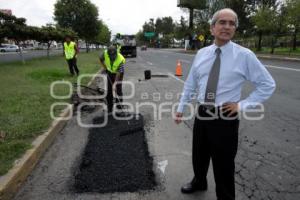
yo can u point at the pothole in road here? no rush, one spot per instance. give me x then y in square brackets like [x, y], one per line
[115, 163]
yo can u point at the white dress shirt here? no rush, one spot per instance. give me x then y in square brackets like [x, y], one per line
[238, 64]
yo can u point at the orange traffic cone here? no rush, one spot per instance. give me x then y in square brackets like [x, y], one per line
[178, 71]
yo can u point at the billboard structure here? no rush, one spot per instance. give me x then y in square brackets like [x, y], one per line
[6, 11]
[192, 4]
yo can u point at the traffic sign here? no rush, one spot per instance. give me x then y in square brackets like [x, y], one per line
[149, 34]
[201, 38]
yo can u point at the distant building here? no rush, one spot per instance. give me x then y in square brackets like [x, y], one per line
[6, 11]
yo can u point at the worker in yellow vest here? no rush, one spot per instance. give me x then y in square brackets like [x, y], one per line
[70, 53]
[113, 63]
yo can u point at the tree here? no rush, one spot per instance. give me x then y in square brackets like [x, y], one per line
[159, 26]
[164, 25]
[192, 5]
[253, 5]
[202, 18]
[15, 29]
[63, 32]
[79, 15]
[181, 29]
[242, 10]
[140, 37]
[262, 26]
[149, 27]
[167, 25]
[48, 35]
[293, 19]
[167, 40]
[104, 35]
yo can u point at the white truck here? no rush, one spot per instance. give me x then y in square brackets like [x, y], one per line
[127, 43]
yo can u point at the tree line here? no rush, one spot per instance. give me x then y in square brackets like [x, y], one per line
[75, 18]
[257, 19]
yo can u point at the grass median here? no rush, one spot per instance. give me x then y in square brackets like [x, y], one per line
[280, 51]
[25, 100]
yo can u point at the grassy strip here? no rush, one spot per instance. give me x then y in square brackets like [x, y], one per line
[280, 51]
[25, 100]
[277, 51]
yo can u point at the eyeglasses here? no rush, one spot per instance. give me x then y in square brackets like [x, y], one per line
[224, 22]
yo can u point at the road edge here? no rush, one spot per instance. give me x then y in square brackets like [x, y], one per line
[264, 56]
[12, 181]
[278, 58]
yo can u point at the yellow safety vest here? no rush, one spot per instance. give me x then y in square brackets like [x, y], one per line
[115, 66]
[69, 50]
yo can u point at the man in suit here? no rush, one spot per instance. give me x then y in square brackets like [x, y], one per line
[217, 75]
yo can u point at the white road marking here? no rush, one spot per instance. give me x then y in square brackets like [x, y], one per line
[162, 165]
[178, 79]
[169, 52]
[284, 68]
[149, 63]
[270, 66]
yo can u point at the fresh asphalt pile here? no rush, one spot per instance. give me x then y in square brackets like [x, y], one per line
[112, 162]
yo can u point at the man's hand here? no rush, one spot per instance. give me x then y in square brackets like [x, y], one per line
[178, 118]
[230, 108]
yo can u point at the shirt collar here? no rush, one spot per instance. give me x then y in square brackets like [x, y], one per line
[224, 49]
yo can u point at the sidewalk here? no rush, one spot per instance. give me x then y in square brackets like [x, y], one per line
[259, 55]
[169, 144]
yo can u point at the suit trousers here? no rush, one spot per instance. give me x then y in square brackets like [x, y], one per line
[216, 140]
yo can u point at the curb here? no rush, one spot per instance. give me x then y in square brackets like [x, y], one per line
[278, 58]
[283, 58]
[11, 182]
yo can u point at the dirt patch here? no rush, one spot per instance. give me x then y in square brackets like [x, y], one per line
[115, 163]
[81, 94]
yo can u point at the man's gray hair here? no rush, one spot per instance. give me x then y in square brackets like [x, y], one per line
[216, 16]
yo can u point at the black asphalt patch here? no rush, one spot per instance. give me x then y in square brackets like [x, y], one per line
[160, 75]
[115, 163]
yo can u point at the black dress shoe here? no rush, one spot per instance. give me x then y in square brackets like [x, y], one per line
[193, 186]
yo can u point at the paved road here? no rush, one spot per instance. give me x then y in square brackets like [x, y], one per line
[268, 160]
[28, 54]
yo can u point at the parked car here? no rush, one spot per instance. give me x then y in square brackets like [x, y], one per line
[9, 48]
[143, 48]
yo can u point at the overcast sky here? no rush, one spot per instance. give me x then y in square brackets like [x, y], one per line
[122, 16]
